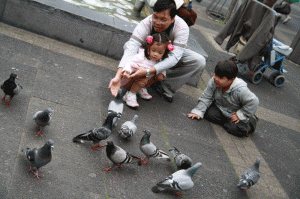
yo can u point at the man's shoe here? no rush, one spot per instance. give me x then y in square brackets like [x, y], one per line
[143, 93]
[160, 91]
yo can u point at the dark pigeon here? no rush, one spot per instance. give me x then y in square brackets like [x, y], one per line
[128, 129]
[179, 181]
[250, 177]
[117, 106]
[119, 156]
[42, 119]
[39, 157]
[10, 88]
[98, 134]
[182, 161]
[150, 150]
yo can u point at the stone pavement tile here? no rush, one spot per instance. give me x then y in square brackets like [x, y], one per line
[240, 170]
[271, 180]
[237, 160]
[259, 192]
[278, 192]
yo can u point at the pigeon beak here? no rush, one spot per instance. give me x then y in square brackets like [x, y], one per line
[52, 147]
[17, 77]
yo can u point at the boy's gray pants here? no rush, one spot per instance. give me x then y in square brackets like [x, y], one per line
[189, 66]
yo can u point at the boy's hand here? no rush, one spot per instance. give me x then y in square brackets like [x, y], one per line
[126, 74]
[193, 115]
[234, 118]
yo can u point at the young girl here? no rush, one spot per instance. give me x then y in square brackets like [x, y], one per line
[156, 49]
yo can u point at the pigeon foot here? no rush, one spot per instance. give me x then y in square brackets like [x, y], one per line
[94, 148]
[3, 98]
[143, 161]
[99, 145]
[37, 175]
[106, 169]
[177, 194]
[119, 165]
[8, 103]
[39, 134]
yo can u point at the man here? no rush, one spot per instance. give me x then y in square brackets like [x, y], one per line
[181, 64]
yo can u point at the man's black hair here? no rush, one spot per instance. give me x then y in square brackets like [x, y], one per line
[226, 68]
[162, 5]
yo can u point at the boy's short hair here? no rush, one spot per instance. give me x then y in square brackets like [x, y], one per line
[162, 5]
[226, 68]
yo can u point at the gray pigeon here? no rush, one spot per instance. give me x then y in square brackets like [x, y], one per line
[179, 181]
[119, 156]
[39, 157]
[250, 177]
[98, 134]
[10, 88]
[116, 106]
[182, 161]
[42, 119]
[128, 129]
[150, 150]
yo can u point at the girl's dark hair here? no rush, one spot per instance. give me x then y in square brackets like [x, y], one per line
[161, 38]
[162, 5]
[226, 68]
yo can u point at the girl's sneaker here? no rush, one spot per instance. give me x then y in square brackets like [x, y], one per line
[130, 99]
[143, 93]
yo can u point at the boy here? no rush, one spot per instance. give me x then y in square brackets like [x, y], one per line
[227, 101]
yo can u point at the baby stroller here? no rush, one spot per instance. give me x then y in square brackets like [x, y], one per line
[256, 49]
[273, 59]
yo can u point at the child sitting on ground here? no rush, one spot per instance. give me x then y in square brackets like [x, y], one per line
[227, 101]
[156, 49]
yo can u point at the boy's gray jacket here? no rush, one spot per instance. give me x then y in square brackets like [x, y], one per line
[238, 98]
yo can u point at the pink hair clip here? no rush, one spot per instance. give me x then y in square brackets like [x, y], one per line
[170, 47]
[149, 39]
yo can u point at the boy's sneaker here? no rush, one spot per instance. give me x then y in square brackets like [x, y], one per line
[130, 99]
[287, 19]
[143, 93]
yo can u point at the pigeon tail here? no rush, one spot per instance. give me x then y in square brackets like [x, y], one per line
[156, 189]
[84, 136]
[174, 152]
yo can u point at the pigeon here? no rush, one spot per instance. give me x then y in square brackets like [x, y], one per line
[179, 181]
[128, 129]
[119, 156]
[150, 150]
[98, 134]
[250, 177]
[10, 88]
[182, 161]
[42, 119]
[116, 106]
[39, 157]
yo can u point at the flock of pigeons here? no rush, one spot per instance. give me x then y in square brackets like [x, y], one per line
[179, 181]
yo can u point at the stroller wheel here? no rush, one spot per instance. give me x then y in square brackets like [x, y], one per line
[279, 80]
[256, 77]
[272, 77]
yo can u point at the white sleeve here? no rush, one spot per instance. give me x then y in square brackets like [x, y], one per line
[131, 47]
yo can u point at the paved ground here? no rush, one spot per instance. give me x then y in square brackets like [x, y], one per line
[73, 82]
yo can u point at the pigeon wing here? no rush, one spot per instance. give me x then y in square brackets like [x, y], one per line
[17, 90]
